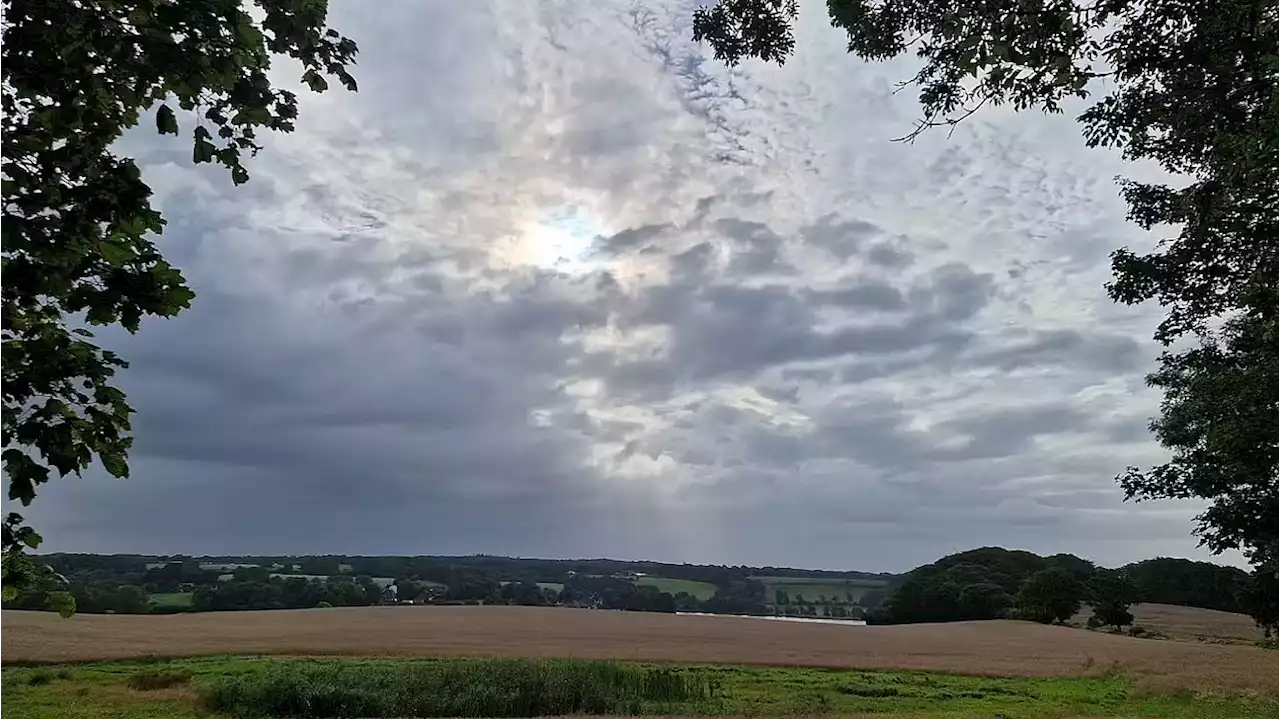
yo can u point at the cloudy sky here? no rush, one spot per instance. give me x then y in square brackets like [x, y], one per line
[556, 283]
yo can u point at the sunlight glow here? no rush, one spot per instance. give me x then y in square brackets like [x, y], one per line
[560, 239]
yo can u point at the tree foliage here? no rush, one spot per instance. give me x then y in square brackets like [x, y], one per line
[78, 224]
[1189, 86]
[1112, 593]
[1049, 595]
[1166, 580]
[977, 584]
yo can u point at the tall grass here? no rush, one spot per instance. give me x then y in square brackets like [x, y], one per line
[458, 688]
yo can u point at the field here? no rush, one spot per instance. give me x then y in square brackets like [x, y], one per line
[811, 588]
[173, 599]
[702, 590]
[1192, 624]
[333, 687]
[994, 648]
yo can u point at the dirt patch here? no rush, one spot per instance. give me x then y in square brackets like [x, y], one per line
[995, 647]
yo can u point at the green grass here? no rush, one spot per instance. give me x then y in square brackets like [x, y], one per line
[172, 599]
[702, 590]
[230, 687]
[811, 588]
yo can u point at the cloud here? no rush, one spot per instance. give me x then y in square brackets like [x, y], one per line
[555, 283]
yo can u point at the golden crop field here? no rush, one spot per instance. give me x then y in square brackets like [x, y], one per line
[990, 648]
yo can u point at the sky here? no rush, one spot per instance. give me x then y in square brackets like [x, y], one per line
[556, 283]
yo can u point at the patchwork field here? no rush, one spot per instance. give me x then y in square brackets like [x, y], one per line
[998, 648]
[702, 590]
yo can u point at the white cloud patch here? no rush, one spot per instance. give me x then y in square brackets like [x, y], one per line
[554, 282]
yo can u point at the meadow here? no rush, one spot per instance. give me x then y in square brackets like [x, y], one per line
[702, 590]
[838, 591]
[335, 687]
[172, 600]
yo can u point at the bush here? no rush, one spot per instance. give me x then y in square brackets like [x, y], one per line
[460, 688]
[40, 677]
[153, 680]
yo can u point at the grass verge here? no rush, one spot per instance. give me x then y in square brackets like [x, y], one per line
[293, 687]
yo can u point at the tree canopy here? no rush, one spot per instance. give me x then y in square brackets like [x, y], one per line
[1050, 595]
[1189, 86]
[78, 224]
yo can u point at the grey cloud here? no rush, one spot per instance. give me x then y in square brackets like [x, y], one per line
[1100, 350]
[632, 238]
[755, 249]
[365, 353]
[869, 294]
[844, 239]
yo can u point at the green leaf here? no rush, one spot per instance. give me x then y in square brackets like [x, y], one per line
[31, 538]
[203, 151]
[115, 464]
[166, 122]
[63, 602]
[315, 81]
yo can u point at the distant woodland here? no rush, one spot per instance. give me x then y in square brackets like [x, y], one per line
[985, 583]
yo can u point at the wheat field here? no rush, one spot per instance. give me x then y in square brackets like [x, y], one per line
[1003, 648]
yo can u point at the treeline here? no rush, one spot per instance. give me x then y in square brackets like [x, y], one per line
[125, 585]
[994, 583]
[438, 568]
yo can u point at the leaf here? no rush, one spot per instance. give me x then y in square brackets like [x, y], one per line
[115, 464]
[315, 81]
[166, 122]
[31, 538]
[203, 151]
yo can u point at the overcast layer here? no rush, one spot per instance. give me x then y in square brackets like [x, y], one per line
[556, 283]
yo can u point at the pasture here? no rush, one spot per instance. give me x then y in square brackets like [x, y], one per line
[172, 600]
[702, 590]
[837, 591]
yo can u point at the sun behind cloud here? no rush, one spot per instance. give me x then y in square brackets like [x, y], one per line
[559, 239]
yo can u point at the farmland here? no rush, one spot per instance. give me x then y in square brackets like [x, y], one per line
[836, 590]
[701, 590]
[999, 648]
[172, 600]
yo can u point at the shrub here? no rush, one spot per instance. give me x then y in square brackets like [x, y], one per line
[153, 680]
[459, 688]
[39, 677]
